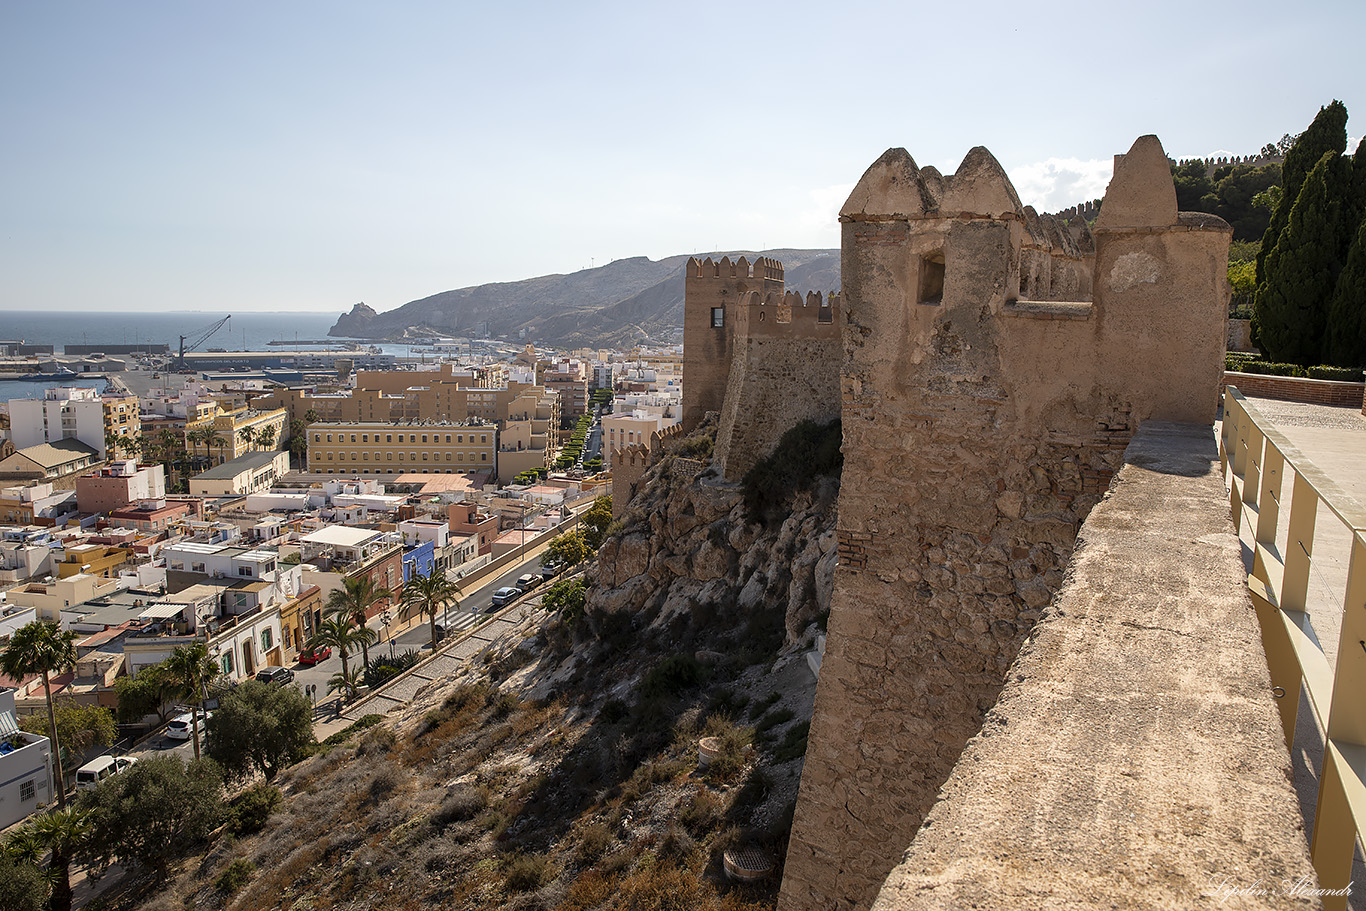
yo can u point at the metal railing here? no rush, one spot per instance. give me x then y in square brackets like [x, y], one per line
[1257, 462]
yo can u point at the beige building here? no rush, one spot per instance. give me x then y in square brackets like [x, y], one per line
[236, 433]
[250, 473]
[402, 447]
[622, 430]
[407, 395]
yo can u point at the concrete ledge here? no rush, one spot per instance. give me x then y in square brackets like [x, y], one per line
[1135, 757]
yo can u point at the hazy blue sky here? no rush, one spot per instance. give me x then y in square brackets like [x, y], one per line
[308, 155]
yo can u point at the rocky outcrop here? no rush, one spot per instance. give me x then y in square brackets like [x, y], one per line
[687, 543]
[355, 324]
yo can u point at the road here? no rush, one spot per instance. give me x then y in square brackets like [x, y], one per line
[416, 634]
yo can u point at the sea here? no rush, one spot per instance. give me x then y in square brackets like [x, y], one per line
[246, 331]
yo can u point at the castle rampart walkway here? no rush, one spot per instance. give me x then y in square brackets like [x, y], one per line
[1135, 758]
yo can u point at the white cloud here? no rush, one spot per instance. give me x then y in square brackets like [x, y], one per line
[1057, 183]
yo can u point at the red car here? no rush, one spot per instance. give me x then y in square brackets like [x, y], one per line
[314, 654]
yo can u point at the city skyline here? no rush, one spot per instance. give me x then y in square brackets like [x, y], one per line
[265, 158]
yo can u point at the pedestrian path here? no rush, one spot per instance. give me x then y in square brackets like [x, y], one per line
[468, 636]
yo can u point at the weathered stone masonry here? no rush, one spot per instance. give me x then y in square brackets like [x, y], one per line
[984, 413]
[761, 357]
[785, 368]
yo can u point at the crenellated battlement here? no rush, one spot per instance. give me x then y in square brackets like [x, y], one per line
[788, 315]
[762, 268]
[628, 464]
[1088, 210]
[1224, 161]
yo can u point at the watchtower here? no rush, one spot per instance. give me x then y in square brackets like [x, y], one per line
[711, 296]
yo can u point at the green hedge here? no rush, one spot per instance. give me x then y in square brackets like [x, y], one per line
[1244, 363]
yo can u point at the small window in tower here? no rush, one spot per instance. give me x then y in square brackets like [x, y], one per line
[718, 317]
[932, 278]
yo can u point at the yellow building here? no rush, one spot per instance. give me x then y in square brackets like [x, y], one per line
[401, 447]
[97, 560]
[235, 433]
[122, 416]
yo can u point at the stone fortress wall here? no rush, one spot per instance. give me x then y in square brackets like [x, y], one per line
[711, 296]
[785, 368]
[628, 464]
[781, 352]
[996, 364]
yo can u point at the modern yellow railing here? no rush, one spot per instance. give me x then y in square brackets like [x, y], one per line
[1257, 460]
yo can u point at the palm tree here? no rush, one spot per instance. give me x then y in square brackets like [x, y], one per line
[63, 832]
[266, 436]
[310, 416]
[353, 600]
[428, 595]
[347, 682]
[111, 443]
[42, 648]
[336, 631]
[248, 435]
[192, 670]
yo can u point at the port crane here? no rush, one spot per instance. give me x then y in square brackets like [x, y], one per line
[199, 337]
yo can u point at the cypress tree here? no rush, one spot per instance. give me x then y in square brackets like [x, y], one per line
[1328, 133]
[1347, 312]
[1291, 310]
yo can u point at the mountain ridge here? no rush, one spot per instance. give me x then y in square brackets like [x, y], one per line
[623, 303]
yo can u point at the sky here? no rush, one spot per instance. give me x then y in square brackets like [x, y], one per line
[268, 156]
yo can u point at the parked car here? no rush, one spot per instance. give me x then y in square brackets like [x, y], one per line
[276, 675]
[527, 581]
[182, 726]
[96, 770]
[505, 596]
[314, 653]
[551, 569]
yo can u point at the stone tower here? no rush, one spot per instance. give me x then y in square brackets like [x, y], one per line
[712, 292]
[996, 363]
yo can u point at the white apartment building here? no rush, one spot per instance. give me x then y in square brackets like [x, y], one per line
[73, 413]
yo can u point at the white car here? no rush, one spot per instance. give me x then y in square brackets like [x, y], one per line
[182, 726]
[96, 770]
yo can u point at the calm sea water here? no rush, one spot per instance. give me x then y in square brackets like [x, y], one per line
[249, 331]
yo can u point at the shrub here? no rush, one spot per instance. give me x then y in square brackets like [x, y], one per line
[613, 710]
[253, 807]
[793, 745]
[672, 676]
[1343, 374]
[772, 720]
[804, 453]
[594, 839]
[461, 804]
[1270, 368]
[698, 447]
[359, 724]
[384, 668]
[702, 813]
[237, 875]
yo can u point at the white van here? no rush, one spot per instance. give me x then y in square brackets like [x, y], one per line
[96, 770]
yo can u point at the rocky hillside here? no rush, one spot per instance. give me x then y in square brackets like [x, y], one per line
[561, 771]
[616, 305]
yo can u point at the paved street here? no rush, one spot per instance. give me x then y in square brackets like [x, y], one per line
[474, 609]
